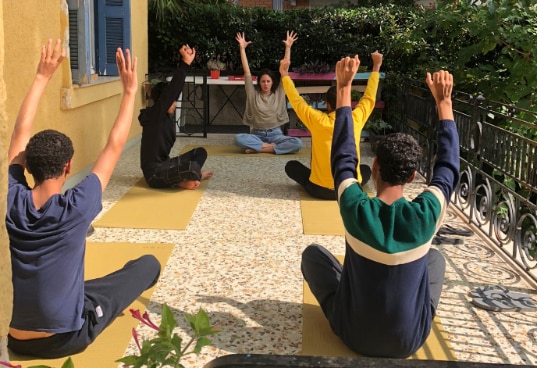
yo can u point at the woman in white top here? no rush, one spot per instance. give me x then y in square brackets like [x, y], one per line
[266, 109]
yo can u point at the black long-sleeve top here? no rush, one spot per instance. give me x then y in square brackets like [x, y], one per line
[158, 127]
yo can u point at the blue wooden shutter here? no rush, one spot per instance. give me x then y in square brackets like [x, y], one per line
[114, 30]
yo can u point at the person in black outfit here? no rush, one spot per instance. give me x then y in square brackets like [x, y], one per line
[158, 136]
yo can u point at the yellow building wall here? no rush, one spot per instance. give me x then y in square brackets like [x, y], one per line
[28, 24]
[6, 290]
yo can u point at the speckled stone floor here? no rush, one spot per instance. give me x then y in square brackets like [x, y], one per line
[239, 259]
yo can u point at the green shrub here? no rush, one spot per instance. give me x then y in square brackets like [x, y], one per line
[489, 48]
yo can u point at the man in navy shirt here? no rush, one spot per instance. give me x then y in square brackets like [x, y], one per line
[55, 312]
[382, 300]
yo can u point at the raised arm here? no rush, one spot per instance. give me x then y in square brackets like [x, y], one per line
[307, 114]
[366, 105]
[242, 46]
[344, 158]
[447, 164]
[106, 162]
[171, 92]
[51, 58]
[288, 42]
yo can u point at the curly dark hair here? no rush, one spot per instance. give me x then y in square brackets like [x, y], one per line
[398, 156]
[272, 75]
[47, 153]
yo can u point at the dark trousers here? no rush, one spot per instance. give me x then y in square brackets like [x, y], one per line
[301, 174]
[322, 272]
[105, 298]
[183, 167]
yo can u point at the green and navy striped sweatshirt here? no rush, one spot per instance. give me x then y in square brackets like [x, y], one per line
[382, 305]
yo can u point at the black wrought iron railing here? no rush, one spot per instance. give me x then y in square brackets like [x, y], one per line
[497, 191]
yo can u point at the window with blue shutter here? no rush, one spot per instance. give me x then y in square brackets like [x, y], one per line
[96, 29]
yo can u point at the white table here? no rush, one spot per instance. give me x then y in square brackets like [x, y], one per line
[306, 84]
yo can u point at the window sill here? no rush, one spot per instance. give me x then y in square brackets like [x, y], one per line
[78, 96]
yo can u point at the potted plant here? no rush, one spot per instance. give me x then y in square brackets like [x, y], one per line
[215, 65]
[377, 128]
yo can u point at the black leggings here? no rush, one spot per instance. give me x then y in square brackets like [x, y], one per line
[301, 174]
[183, 167]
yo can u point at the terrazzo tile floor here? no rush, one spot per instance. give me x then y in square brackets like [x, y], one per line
[239, 259]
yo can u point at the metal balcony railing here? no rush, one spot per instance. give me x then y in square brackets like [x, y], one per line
[497, 191]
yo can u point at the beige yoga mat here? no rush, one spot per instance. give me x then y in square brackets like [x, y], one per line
[319, 340]
[321, 217]
[110, 345]
[221, 150]
[147, 208]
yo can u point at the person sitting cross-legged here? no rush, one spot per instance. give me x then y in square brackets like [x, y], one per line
[266, 109]
[158, 136]
[317, 180]
[381, 302]
[55, 312]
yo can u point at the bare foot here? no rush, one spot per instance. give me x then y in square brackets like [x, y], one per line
[206, 175]
[268, 148]
[248, 150]
[189, 184]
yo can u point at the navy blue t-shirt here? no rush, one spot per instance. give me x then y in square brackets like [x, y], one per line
[47, 253]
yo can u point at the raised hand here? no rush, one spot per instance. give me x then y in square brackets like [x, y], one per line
[291, 38]
[440, 84]
[187, 54]
[126, 66]
[346, 68]
[51, 58]
[377, 60]
[241, 40]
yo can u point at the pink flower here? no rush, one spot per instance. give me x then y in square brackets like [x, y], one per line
[135, 335]
[149, 322]
[136, 314]
[144, 319]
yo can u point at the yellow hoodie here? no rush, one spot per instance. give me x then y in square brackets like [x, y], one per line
[321, 126]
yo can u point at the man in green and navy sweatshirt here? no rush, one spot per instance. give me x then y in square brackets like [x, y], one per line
[382, 300]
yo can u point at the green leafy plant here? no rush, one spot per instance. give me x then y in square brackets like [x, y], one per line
[378, 126]
[356, 95]
[166, 349]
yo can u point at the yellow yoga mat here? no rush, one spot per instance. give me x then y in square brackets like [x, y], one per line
[147, 208]
[231, 150]
[110, 345]
[321, 217]
[319, 340]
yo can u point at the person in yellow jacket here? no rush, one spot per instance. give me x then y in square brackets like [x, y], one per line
[318, 181]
